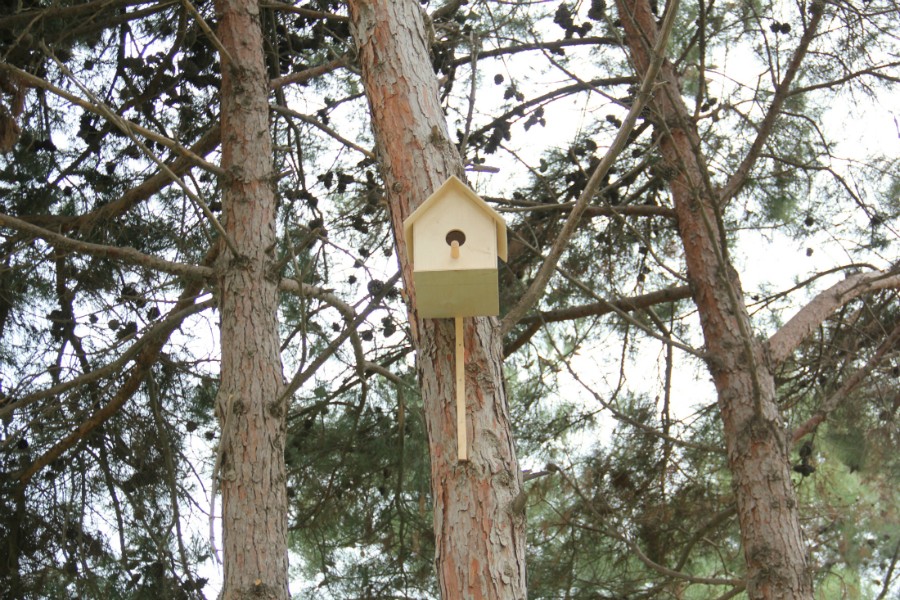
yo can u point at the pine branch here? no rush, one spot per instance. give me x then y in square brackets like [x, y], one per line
[65, 12]
[134, 352]
[784, 341]
[834, 400]
[36, 82]
[782, 92]
[127, 255]
[153, 342]
[616, 533]
[536, 289]
[141, 192]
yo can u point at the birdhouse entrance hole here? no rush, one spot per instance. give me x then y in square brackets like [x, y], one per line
[457, 236]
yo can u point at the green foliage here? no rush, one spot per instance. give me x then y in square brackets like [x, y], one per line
[358, 489]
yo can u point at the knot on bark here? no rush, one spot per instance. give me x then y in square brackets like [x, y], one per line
[770, 564]
[241, 262]
[277, 408]
[258, 589]
[758, 428]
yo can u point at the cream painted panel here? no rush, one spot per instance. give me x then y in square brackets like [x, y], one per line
[432, 253]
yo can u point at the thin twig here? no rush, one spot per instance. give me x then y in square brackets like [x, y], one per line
[474, 42]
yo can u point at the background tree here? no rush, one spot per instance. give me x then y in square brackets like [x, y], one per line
[250, 406]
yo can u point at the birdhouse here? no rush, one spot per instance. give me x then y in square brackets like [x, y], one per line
[453, 240]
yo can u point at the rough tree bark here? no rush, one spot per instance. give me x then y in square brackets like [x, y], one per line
[756, 440]
[479, 515]
[254, 497]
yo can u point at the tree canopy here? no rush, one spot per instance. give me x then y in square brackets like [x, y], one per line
[111, 227]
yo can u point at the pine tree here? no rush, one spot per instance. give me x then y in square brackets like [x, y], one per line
[478, 504]
[124, 240]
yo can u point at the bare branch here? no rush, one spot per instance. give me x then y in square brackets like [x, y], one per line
[874, 71]
[386, 373]
[304, 12]
[319, 125]
[594, 309]
[300, 378]
[473, 88]
[447, 10]
[671, 294]
[886, 586]
[310, 291]
[637, 424]
[580, 86]
[540, 46]
[135, 257]
[310, 73]
[129, 129]
[635, 210]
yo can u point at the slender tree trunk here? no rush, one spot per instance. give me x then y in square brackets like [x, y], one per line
[479, 515]
[254, 497]
[756, 440]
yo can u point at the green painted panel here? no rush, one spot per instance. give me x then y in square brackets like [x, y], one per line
[470, 293]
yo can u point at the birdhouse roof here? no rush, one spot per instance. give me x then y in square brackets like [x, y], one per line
[453, 184]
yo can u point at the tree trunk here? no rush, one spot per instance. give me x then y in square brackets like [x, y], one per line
[479, 515]
[756, 440]
[254, 497]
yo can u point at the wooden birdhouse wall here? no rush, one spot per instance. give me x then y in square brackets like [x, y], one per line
[454, 212]
[462, 283]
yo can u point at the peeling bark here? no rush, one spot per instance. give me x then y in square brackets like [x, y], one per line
[756, 440]
[479, 533]
[254, 497]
